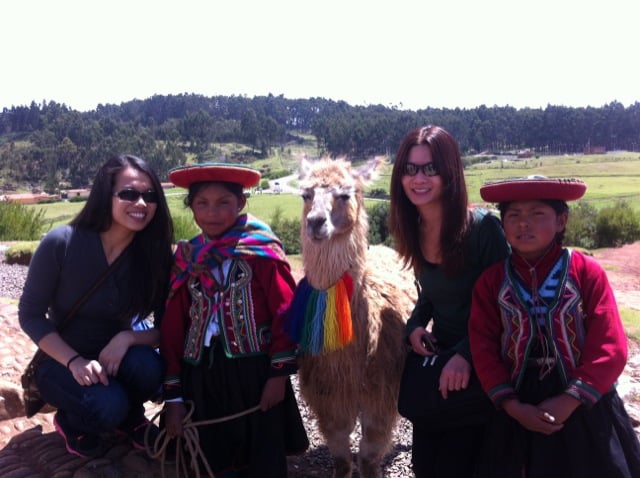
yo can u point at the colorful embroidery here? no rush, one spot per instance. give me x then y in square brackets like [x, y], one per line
[563, 319]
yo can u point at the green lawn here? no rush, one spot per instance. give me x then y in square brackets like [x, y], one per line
[631, 322]
[608, 177]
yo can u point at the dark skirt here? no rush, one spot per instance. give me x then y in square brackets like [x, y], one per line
[597, 442]
[256, 444]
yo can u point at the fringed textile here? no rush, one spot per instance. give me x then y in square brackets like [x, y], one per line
[320, 320]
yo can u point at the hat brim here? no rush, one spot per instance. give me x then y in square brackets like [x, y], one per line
[184, 176]
[527, 189]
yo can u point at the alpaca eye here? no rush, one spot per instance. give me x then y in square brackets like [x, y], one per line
[306, 196]
[344, 197]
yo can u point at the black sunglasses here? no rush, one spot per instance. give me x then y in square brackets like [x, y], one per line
[131, 195]
[428, 169]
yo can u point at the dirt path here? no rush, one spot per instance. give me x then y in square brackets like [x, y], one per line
[623, 269]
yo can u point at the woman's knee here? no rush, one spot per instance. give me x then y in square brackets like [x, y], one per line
[143, 369]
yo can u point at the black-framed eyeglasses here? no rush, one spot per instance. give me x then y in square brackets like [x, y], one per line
[428, 169]
[132, 195]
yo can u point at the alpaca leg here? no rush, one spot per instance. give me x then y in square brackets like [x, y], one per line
[339, 444]
[376, 438]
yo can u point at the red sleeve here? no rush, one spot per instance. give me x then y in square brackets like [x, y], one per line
[485, 335]
[605, 348]
[173, 330]
[277, 284]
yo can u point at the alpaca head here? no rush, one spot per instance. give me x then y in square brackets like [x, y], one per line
[334, 224]
[332, 193]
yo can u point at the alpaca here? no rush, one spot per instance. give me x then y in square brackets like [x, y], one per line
[353, 370]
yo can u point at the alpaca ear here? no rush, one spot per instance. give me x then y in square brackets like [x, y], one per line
[370, 170]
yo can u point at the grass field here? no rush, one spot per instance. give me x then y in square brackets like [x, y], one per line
[609, 178]
[631, 322]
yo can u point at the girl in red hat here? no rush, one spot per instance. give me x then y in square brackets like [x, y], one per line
[548, 346]
[222, 335]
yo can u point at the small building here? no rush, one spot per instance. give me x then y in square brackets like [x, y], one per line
[525, 154]
[77, 193]
[29, 198]
[595, 149]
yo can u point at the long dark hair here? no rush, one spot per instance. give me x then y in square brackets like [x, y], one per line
[150, 249]
[403, 214]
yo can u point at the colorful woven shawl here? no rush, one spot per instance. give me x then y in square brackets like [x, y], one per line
[249, 237]
[320, 320]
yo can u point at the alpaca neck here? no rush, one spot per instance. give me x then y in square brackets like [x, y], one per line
[325, 262]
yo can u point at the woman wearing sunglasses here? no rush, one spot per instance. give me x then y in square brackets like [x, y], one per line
[448, 244]
[99, 370]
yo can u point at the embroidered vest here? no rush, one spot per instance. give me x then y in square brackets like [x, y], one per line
[234, 312]
[563, 320]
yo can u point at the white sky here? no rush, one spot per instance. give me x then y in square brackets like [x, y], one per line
[406, 53]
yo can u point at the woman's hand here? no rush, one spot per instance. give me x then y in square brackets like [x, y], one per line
[174, 418]
[87, 372]
[272, 393]
[422, 342]
[455, 375]
[112, 354]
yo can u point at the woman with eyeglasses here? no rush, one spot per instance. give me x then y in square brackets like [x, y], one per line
[100, 369]
[448, 244]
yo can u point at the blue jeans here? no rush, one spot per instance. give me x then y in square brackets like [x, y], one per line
[102, 408]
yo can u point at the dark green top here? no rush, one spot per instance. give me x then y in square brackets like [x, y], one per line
[447, 300]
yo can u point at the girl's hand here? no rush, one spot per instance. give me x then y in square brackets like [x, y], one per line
[87, 372]
[112, 354]
[455, 375]
[531, 417]
[560, 407]
[422, 342]
[273, 392]
[174, 418]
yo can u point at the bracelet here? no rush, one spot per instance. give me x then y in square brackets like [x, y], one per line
[72, 359]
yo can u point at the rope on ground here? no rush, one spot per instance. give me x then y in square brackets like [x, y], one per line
[190, 441]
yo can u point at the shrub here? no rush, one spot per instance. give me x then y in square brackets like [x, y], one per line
[275, 174]
[20, 223]
[287, 230]
[581, 229]
[378, 193]
[378, 229]
[21, 253]
[617, 225]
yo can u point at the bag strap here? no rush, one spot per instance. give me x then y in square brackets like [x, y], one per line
[87, 295]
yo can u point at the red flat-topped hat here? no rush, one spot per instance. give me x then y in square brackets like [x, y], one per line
[532, 188]
[184, 176]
